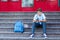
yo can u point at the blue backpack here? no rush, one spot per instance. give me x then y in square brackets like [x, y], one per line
[19, 27]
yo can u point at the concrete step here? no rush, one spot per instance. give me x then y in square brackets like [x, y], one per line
[17, 14]
[25, 20]
[10, 25]
[27, 38]
[27, 34]
[54, 30]
[30, 22]
[40, 32]
[27, 16]
[48, 13]
[29, 25]
[55, 27]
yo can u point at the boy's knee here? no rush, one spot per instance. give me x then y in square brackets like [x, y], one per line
[43, 22]
[33, 22]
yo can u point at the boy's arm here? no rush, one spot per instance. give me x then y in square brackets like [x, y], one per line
[43, 20]
[35, 19]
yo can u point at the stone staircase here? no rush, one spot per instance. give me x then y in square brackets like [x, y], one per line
[8, 19]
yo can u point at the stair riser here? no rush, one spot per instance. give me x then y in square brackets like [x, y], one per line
[28, 39]
[29, 30]
[27, 16]
[27, 35]
[6, 25]
[29, 25]
[49, 13]
[26, 20]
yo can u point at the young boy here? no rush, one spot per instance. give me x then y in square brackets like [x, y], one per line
[39, 19]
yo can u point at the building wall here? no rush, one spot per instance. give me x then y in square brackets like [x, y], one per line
[16, 5]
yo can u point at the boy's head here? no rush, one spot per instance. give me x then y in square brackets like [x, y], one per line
[39, 11]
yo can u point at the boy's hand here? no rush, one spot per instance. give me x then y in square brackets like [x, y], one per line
[35, 20]
[40, 20]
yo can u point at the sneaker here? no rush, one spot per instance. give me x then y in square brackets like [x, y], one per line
[32, 35]
[45, 36]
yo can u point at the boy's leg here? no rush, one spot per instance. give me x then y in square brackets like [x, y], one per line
[34, 26]
[33, 29]
[44, 27]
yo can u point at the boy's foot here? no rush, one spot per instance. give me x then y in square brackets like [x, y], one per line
[45, 36]
[32, 35]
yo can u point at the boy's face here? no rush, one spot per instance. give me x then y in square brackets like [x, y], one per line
[38, 12]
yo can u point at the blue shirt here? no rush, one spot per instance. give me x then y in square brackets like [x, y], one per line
[39, 17]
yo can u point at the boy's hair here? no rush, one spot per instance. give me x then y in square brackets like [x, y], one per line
[39, 9]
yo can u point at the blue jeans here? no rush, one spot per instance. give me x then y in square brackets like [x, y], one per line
[36, 24]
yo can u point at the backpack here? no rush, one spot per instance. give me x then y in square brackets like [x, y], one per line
[19, 27]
